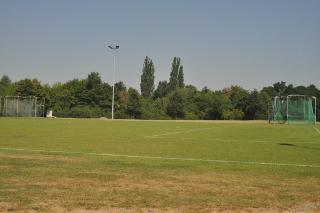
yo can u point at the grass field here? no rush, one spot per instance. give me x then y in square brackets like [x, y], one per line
[152, 166]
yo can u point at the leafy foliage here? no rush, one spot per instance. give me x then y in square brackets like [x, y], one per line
[176, 76]
[91, 97]
[147, 78]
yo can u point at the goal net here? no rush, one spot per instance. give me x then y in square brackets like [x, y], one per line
[17, 106]
[294, 109]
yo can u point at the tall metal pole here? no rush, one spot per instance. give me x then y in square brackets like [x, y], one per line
[113, 47]
[44, 107]
[113, 81]
[315, 110]
[35, 107]
[288, 109]
[17, 102]
[6, 104]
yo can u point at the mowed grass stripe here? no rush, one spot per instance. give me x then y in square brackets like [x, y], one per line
[178, 132]
[128, 138]
[161, 158]
[233, 140]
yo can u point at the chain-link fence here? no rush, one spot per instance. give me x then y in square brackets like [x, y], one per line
[17, 106]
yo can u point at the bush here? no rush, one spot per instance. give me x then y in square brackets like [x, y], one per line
[155, 110]
[86, 112]
[234, 114]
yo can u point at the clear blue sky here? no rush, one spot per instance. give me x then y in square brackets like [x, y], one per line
[251, 43]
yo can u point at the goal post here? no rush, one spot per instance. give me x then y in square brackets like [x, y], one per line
[293, 109]
[23, 106]
[279, 109]
[300, 109]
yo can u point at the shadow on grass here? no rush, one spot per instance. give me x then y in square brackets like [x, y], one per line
[286, 144]
[293, 145]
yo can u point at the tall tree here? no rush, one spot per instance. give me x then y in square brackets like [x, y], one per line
[162, 89]
[24, 88]
[5, 82]
[134, 104]
[147, 78]
[93, 80]
[176, 104]
[176, 76]
[280, 88]
[180, 77]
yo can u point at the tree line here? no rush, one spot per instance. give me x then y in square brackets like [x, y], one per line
[172, 99]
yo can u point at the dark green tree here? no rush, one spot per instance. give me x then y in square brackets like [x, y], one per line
[180, 77]
[121, 100]
[134, 103]
[176, 104]
[93, 80]
[5, 82]
[162, 89]
[280, 88]
[240, 99]
[176, 76]
[28, 87]
[147, 78]
[24, 88]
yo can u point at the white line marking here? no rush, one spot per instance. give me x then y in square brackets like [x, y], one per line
[231, 140]
[317, 129]
[163, 158]
[178, 132]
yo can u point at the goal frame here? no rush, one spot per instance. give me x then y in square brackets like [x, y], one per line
[287, 99]
[34, 109]
[304, 96]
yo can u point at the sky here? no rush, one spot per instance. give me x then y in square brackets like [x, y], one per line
[250, 43]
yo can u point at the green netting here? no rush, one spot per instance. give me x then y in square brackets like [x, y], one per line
[293, 109]
[300, 109]
[279, 110]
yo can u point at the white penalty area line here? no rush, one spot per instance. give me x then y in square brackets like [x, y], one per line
[317, 129]
[232, 140]
[178, 132]
[163, 158]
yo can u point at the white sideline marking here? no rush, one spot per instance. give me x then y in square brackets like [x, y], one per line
[164, 158]
[317, 129]
[232, 140]
[178, 132]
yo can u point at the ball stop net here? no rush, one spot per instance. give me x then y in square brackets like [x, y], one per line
[293, 109]
[17, 106]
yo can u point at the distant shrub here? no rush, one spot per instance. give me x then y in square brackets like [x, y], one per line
[234, 114]
[86, 112]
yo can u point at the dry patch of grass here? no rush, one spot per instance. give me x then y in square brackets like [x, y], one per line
[309, 208]
[95, 192]
[41, 157]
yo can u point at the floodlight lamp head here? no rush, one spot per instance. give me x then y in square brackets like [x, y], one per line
[114, 47]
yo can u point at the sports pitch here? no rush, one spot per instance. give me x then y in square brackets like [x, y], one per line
[77, 164]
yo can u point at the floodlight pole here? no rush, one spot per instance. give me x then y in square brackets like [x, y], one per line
[17, 102]
[113, 47]
[35, 107]
[315, 110]
[288, 109]
[113, 82]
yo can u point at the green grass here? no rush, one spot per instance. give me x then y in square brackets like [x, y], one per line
[40, 181]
